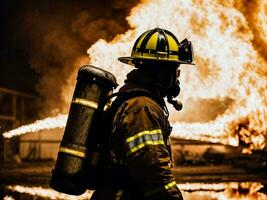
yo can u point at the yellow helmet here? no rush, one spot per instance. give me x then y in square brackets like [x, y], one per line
[160, 45]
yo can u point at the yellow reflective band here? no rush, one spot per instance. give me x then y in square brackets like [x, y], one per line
[140, 146]
[72, 152]
[107, 106]
[143, 133]
[169, 185]
[160, 189]
[84, 102]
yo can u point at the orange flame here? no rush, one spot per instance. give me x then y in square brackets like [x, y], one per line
[49, 123]
[229, 64]
[223, 191]
[8, 198]
[219, 191]
[47, 193]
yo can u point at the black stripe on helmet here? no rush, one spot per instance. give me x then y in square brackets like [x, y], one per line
[167, 42]
[146, 39]
[138, 39]
[161, 42]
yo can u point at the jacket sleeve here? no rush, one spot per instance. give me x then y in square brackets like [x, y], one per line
[146, 153]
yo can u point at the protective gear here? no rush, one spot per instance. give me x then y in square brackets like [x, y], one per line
[82, 150]
[174, 90]
[167, 83]
[176, 104]
[140, 145]
[160, 45]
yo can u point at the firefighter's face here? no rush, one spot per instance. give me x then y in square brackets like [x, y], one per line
[174, 88]
[177, 72]
[166, 76]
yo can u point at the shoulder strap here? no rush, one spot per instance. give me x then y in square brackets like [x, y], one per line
[130, 93]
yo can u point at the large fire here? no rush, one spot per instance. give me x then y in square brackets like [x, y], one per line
[227, 64]
[230, 63]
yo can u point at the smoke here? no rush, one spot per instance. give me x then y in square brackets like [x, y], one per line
[57, 37]
[255, 13]
[208, 110]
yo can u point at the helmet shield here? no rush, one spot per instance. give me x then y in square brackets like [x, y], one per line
[186, 53]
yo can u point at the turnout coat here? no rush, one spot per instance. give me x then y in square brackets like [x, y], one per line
[140, 149]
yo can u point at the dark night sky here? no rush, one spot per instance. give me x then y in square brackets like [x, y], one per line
[15, 71]
[25, 24]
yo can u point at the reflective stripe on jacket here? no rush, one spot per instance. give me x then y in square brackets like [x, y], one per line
[140, 138]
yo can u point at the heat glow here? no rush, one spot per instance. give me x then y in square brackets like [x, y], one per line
[227, 64]
[228, 37]
[47, 193]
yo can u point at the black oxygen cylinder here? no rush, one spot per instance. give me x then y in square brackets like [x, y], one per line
[79, 151]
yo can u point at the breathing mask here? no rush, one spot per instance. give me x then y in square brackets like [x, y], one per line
[174, 91]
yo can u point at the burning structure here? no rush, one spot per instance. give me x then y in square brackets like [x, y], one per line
[225, 94]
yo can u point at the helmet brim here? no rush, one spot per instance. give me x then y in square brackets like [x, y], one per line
[133, 60]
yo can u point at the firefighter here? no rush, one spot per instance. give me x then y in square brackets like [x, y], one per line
[139, 142]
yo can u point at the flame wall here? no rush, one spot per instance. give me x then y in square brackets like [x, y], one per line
[228, 37]
[224, 95]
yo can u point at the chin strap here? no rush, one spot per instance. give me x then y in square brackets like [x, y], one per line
[176, 104]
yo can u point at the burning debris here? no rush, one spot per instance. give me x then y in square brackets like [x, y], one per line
[8, 198]
[220, 191]
[47, 193]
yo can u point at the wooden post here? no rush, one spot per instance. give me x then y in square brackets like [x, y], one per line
[16, 117]
[14, 109]
[39, 145]
[22, 110]
[15, 141]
